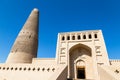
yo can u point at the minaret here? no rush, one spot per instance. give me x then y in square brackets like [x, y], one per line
[26, 44]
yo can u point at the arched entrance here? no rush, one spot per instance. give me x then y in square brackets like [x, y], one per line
[79, 60]
[81, 73]
[80, 69]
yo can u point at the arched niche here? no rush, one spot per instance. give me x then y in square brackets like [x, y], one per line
[79, 56]
[80, 45]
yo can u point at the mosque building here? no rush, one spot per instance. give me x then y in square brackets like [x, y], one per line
[80, 55]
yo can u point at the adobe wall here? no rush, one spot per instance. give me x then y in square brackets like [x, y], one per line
[26, 71]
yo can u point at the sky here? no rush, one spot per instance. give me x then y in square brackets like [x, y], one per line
[60, 16]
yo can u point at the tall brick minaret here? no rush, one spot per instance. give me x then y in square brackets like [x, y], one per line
[26, 44]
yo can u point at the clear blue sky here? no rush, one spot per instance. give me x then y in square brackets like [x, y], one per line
[60, 16]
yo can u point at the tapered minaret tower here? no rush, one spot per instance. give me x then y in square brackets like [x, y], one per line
[26, 44]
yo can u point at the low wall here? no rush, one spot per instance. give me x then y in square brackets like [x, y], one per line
[26, 71]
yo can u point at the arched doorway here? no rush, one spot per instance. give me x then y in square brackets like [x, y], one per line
[80, 69]
[79, 59]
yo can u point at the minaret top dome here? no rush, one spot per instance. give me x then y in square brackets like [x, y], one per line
[35, 9]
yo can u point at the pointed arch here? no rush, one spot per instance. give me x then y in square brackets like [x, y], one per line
[79, 56]
[80, 46]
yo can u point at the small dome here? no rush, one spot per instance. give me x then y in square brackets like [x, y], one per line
[35, 9]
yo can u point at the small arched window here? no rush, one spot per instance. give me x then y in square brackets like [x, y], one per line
[33, 69]
[29, 69]
[20, 69]
[63, 38]
[78, 37]
[73, 37]
[68, 37]
[3, 68]
[7, 68]
[16, 68]
[95, 35]
[53, 69]
[38, 69]
[43, 69]
[90, 36]
[117, 71]
[24, 69]
[48, 69]
[12, 68]
[84, 36]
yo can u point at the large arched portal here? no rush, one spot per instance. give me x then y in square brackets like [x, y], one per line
[80, 62]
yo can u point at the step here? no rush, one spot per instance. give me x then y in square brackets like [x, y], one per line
[79, 79]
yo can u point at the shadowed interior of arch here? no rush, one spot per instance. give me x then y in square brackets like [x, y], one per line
[81, 72]
[81, 46]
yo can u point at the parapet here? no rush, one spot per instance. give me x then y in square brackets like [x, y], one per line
[81, 35]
